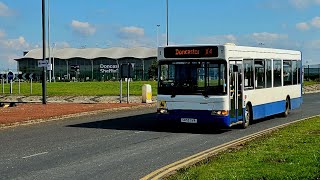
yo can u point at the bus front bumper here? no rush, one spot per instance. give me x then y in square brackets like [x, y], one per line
[194, 117]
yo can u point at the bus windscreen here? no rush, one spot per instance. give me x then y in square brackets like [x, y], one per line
[200, 77]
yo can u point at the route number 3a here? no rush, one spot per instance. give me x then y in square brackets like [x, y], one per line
[208, 51]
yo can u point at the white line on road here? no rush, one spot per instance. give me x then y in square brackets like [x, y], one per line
[38, 154]
[138, 132]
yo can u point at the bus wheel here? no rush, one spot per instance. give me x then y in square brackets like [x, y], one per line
[287, 108]
[247, 117]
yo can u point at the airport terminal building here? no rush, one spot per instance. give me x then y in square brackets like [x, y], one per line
[90, 63]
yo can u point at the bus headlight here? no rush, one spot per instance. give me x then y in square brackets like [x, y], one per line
[220, 113]
[162, 111]
[162, 104]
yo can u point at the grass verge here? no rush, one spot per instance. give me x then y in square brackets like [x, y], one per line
[310, 83]
[289, 153]
[81, 88]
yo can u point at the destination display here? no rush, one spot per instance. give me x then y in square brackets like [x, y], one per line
[191, 52]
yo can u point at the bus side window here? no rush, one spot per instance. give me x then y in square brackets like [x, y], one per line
[294, 72]
[277, 73]
[248, 74]
[287, 73]
[268, 73]
[259, 73]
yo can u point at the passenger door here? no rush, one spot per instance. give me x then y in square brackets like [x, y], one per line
[236, 90]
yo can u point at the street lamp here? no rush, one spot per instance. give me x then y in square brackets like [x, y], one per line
[158, 25]
[44, 78]
[49, 49]
[167, 4]
[53, 76]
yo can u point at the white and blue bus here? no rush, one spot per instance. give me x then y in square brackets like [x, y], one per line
[227, 85]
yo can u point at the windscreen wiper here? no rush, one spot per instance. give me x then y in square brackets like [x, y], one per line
[173, 93]
[205, 93]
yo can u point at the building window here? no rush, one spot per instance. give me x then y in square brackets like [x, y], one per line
[259, 74]
[277, 73]
[248, 74]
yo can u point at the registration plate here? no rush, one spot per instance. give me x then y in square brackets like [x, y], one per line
[189, 120]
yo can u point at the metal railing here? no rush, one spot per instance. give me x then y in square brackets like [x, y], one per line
[312, 72]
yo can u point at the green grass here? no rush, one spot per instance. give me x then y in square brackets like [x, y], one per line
[81, 88]
[290, 153]
[309, 83]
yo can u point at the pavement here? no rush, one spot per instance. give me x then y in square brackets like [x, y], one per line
[30, 110]
[71, 99]
[311, 89]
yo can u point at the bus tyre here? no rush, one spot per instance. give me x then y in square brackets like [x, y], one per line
[287, 108]
[247, 117]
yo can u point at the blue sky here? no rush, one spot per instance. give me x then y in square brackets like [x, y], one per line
[289, 24]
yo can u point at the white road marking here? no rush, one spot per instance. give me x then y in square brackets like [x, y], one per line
[138, 132]
[38, 154]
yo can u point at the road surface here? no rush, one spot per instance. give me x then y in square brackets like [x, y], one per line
[114, 145]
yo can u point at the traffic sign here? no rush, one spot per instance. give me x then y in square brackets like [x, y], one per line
[3, 76]
[10, 75]
[31, 76]
[43, 63]
[126, 70]
[20, 76]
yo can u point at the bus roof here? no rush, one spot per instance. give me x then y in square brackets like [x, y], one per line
[225, 51]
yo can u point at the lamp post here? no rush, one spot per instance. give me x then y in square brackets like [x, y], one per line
[158, 25]
[49, 48]
[44, 73]
[167, 4]
[308, 66]
[53, 75]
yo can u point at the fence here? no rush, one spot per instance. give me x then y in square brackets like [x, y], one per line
[312, 72]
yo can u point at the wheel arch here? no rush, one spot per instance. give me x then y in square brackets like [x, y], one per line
[289, 99]
[251, 109]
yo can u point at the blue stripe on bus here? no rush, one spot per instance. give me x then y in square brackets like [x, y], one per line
[203, 117]
[278, 107]
[296, 103]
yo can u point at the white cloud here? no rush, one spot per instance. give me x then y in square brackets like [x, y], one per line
[5, 10]
[2, 33]
[131, 32]
[316, 22]
[11, 49]
[62, 45]
[303, 26]
[132, 36]
[219, 39]
[300, 4]
[15, 44]
[267, 37]
[314, 44]
[254, 39]
[83, 28]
